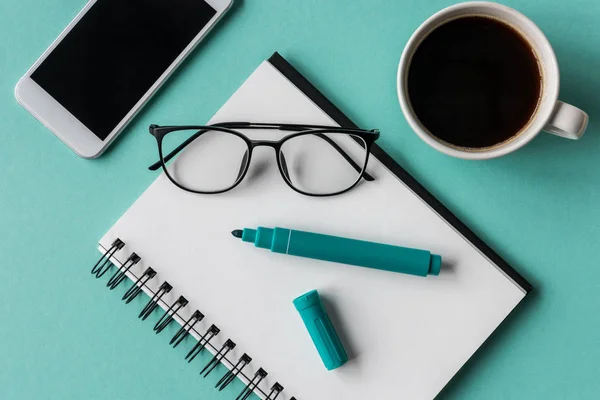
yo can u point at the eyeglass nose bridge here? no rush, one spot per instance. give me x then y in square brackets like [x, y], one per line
[265, 143]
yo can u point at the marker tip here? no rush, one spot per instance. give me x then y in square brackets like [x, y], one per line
[237, 233]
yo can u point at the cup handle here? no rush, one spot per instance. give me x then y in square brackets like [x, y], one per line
[567, 121]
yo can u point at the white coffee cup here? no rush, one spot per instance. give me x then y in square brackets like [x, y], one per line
[552, 115]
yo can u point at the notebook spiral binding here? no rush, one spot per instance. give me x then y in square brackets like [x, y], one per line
[104, 264]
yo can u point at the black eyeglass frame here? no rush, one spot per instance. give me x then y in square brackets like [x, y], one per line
[368, 137]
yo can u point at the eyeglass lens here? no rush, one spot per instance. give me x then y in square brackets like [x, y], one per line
[213, 161]
[314, 164]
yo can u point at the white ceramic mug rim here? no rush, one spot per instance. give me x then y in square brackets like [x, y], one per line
[550, 91]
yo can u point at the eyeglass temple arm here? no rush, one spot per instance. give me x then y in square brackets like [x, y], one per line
[346, 157]
[248, 125]
[175, 151]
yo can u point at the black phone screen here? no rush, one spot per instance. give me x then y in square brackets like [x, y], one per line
[115, 53]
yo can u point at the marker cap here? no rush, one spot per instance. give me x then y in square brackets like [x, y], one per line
[321, 330]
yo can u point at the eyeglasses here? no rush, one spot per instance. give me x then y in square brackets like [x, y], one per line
[314, 161]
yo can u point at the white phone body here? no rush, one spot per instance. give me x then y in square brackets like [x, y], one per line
[63, 123]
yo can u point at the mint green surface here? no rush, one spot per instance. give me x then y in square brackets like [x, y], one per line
[321, 330]
[63, 335]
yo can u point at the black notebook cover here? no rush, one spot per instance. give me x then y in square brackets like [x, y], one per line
[177, 281]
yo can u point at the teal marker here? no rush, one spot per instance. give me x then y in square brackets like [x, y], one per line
[346, 251]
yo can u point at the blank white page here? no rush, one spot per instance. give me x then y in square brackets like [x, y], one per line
[406, 335]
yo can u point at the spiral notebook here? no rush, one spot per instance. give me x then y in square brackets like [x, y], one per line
[406, 336]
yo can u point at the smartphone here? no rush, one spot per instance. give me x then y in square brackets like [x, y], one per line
[108, 62]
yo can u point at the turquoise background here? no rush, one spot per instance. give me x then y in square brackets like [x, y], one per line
[63, 335]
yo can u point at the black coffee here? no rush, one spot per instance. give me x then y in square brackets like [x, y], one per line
[474, 82]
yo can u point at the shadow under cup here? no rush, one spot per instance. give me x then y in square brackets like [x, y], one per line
[478, 80]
